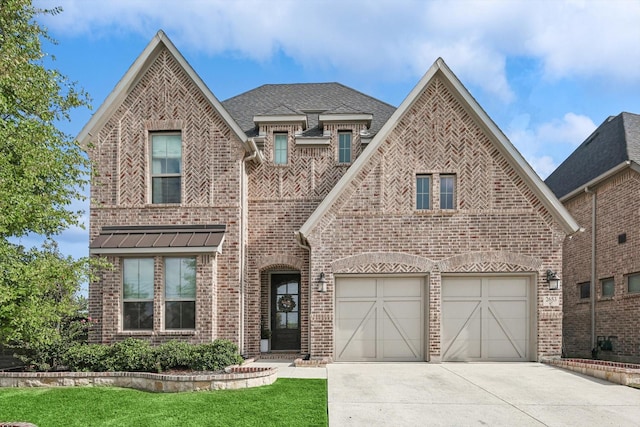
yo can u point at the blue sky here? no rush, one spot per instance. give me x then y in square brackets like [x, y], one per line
[548, 72]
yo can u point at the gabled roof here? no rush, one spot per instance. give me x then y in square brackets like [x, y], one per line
[136, 71]
[439, 68]
[613, 145]
[310, 98]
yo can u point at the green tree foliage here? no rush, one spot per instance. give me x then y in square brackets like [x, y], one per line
[42, 170]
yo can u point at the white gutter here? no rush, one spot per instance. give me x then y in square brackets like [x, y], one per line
[596, 180]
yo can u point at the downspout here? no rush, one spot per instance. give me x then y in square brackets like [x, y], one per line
[244, 215]
[301, 241]
[592, 287]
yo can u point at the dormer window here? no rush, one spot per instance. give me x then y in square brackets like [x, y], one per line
[280, 143]
[344, 147]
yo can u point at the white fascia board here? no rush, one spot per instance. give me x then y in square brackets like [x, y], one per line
[344, 117]
[160, 250]
[134, 73]
[313, 140]
[602, 177]
[284, 118]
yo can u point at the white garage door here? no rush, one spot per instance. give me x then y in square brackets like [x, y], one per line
[379, 319]
[486, 318]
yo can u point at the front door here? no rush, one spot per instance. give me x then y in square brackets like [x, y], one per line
[285, 311]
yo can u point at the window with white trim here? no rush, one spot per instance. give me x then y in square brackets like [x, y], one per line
[166, 167]
[344, 147]
[447, 191]
[180, 293]
[423, 192]
[280, 145]
[137, 293]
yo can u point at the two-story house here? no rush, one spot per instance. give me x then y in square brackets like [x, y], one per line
[599, 183]
[353, 230]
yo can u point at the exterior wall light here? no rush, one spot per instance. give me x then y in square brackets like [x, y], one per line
[553, 280]
[322, 283]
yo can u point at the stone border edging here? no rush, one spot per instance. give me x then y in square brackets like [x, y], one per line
[235, 377]
[620, 373]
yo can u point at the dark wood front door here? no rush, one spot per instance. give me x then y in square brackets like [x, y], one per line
[285, 311]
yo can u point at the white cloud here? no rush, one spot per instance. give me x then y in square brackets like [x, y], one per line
[389, 39]
[542, 143]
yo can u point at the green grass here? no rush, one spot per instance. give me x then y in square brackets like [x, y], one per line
[287, 402]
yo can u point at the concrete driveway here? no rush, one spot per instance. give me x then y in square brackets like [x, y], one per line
[474, 394]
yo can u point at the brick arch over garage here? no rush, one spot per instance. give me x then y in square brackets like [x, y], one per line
[489, 261]
[382, 262]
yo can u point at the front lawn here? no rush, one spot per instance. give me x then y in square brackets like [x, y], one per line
[287, 402]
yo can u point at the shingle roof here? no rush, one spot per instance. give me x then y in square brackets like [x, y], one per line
[311, 98]
[615, 141]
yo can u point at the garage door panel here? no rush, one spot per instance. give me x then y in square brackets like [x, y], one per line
[379, 319]
[497, 329]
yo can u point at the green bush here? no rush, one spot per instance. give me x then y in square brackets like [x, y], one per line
[215, 356]
[136, 355]
[174, 355]
[87, 357]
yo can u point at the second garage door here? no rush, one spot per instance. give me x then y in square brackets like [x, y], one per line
[379, 319]
[486, 318]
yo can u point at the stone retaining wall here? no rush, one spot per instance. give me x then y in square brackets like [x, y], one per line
[234, 378]
[620, 373]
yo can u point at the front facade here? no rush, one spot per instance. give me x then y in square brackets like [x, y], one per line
[600, 186]
[351, 230]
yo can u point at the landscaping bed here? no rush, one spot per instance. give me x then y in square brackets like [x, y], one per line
[616, 372]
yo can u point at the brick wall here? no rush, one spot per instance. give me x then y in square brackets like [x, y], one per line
[165, 99]
[499, 224]
[617, 212]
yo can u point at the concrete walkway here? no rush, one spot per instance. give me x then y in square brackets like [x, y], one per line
[286, 369]
[474, 394]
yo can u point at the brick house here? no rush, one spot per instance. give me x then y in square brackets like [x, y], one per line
[351, 229]
[599, 184]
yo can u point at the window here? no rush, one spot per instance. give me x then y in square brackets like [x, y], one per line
[280, 148]
[585, 290]
[344, 147]
[447, 191]
[608, 287]
[180, 293]
[137, 294]
[633, 283]
[166, 168]
[423, 192]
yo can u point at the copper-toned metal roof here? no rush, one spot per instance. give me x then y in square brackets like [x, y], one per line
[158, 239]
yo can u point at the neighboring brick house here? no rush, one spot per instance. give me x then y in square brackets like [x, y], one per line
[351, 229]
[599, 183]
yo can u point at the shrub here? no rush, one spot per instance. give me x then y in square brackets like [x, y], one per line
[215, 356]
[174, 355]
[87, 357]
[130, 355]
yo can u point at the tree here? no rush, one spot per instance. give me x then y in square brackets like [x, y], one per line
[42, 170]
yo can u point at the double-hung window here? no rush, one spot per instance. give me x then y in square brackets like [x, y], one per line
[280, 148]
[608, 287]
[344, 147]
[423, 192]
[180, 293]
[447, 192]
[137, 310]
[166, 168]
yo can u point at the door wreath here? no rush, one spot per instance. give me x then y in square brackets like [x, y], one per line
[286, 303]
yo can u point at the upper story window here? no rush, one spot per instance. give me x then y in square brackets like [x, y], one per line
[423, 192]
[344, 147]
[585, 290]
[447, 191]
[137, 294]
[180, 293]
[608, 287]
[280, 146]
[166, 168]
[633, 283]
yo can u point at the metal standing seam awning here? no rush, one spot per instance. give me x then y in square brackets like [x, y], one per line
[122, 240]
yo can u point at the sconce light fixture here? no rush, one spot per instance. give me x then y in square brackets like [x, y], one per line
[553, 280]
[322, 283]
